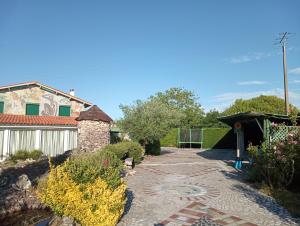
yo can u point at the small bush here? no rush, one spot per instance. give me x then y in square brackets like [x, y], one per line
[35, 154]
[103, 164]
[153, 148]
[117, 149]
[135, 151]
[126, 149]
[91, 203]
[23, 155]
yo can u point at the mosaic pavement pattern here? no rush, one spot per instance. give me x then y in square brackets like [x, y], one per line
[191, 214]
[180, 187]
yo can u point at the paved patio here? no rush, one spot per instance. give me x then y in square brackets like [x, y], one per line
[181, 186]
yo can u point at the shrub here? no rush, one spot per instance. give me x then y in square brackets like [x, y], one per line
[117, 149]
[91, 203]
[212, 138]
[275, 163]
[170, 140]
[218, 138]
[126, 149]
[153, 148]
[135, 151]
[23, 155]
[35, 154]
[102, 164]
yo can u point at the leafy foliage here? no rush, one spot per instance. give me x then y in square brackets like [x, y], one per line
[23, 155]
[275, 163]
[263, 104]
[170, 140]
[92, 203]
[149, 120]
[183, 101]
[217, 138]
[153, 148]
[102, 164]
[211, 120]
[126, 149]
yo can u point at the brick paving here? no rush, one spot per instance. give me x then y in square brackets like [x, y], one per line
[182, 186]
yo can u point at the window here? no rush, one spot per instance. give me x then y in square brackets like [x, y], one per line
[1, 107]
[64, 111]
[32, 109]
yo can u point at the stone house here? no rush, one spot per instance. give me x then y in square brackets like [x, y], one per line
[34, 98]
[37, 116]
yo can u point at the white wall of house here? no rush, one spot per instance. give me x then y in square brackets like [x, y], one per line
[51, 140]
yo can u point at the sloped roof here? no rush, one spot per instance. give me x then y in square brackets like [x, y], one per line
[247, 116]
[9, 119]
[94, 114]
[8, 87]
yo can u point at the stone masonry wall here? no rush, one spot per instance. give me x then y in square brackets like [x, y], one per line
[15, 101]
[93, 135]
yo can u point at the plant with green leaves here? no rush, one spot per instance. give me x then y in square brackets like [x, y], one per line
[275, 163]
[102, 164]
[25, 154]
[184, 101]
[261, 104]
[211, 120]
[126, 149]
[149, 121]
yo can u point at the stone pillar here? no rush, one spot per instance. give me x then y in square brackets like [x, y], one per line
[93, 135]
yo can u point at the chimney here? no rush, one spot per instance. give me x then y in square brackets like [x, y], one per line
[72, 92]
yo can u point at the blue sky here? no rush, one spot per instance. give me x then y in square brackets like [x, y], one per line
[114, 52]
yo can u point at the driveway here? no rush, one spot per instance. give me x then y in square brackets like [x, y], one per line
[181, 186]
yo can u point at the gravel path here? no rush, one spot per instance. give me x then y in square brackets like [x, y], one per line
[182, 186]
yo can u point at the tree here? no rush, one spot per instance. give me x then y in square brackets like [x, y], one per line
[148, 121]
[211, 120]
[183, 101]
[261, 104]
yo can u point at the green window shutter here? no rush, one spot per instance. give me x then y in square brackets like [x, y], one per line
[32, 109]
[64, 111]
[1, 107]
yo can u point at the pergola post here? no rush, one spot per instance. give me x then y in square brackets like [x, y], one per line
[238, 160]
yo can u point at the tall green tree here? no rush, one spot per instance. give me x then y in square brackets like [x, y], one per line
[262, 104]
[183, 101]
[211, 120]
[148, 121]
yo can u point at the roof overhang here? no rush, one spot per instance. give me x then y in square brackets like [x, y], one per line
[247, 117]
[56, 91]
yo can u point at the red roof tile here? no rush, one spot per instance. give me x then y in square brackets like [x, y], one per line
[37, 120]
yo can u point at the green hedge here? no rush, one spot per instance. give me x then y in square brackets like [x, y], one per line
[170, 140]
[218, 138]
[213, 138]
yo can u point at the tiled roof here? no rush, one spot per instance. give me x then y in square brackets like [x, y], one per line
[94, 114]
[9, 119]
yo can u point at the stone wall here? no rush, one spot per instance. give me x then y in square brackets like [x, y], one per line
[16, 99]
[93, 135]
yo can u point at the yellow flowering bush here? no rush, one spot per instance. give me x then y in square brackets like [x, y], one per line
[91, 204]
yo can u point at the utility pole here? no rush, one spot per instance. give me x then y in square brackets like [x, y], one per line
[286, 96]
